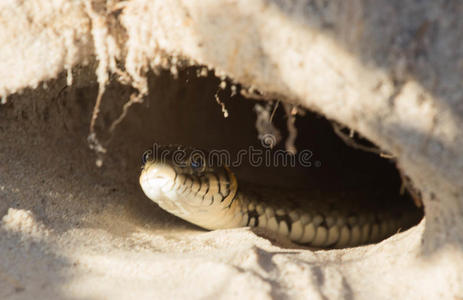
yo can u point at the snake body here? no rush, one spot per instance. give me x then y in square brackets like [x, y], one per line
[212, 198]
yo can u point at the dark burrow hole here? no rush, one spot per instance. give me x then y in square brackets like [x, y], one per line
[185, 110]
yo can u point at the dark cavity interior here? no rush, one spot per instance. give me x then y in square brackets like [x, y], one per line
[178, 110]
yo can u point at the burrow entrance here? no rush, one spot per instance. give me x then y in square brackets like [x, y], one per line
[189, 109]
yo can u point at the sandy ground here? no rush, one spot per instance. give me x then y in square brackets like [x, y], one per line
[72, 230]
[391, 71]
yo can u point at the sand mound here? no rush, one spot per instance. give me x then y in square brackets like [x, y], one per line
[390, 71]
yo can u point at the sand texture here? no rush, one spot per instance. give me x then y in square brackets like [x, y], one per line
[391, 71]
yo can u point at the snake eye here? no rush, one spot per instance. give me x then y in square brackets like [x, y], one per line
[197, 163]
[147, 155]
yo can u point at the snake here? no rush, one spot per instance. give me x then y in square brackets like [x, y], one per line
[210, 196]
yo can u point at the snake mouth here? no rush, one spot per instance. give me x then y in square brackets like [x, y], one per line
[157, 177]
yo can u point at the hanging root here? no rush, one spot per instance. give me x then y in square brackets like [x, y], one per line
[134, 98]
[107, 52]
[265, 129]
[222, 86]
[407, 185]
[291, 112]
[350, 141]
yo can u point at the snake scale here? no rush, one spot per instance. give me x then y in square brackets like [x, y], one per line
[212, 198]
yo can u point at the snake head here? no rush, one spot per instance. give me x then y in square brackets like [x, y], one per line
[181, 180]
[165, 166]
